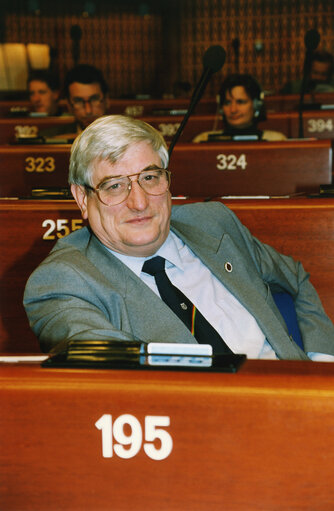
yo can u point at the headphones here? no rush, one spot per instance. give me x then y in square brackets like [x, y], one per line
[258, 105]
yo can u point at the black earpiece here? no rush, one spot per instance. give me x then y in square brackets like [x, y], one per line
[257, 105]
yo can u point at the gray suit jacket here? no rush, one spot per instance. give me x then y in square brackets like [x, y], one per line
[81, 291]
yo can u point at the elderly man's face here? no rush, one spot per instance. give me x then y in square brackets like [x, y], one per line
[139, 225]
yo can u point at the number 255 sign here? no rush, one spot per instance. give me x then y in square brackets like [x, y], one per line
[124, 436]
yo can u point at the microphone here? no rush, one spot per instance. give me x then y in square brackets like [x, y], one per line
[236, 46]
[311, 40]
[213, 61]
[76, 34]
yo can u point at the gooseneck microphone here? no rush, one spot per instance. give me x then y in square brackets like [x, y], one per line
[213, 61]
[311, 40]
[76, 34]
[236, 47]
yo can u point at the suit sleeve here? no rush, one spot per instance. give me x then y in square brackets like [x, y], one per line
[62, 303]
[282, 272]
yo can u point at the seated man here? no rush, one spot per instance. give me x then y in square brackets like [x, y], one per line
[105, 281]
[320, 78]
[243, 108]
[44, 89]
[86, 92]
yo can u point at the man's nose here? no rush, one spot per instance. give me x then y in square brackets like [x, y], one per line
[88, 107]
[233, 106]
[137, 198]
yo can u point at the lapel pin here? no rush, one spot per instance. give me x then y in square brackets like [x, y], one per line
[228, 267]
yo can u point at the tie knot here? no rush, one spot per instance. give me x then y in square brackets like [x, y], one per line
[154, 265]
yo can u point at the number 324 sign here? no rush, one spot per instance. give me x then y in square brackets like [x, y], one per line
[124, 436]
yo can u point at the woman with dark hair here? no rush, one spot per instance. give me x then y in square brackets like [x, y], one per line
[242, 108]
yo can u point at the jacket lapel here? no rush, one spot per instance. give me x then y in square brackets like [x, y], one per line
[223, 258]
[147, 314]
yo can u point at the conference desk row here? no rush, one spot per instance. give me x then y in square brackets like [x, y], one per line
[95, 440]
[316, 124]
[301, 228]
[198, 170]
[207, 105]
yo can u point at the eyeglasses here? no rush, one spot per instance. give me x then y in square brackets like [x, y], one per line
[115, 190]
[80, 103]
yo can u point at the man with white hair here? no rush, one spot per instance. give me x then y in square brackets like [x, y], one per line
[106, 281]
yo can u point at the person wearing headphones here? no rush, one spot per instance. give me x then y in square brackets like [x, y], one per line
[242, 108]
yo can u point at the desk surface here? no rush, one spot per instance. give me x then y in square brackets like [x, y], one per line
[260, 439]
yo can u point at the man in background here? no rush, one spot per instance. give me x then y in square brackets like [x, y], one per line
[86, 92]
[320, 78]
[44, 90]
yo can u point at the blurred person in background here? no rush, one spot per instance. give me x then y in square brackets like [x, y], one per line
[242, 109]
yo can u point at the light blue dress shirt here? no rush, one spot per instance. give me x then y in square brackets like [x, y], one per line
[227, 315]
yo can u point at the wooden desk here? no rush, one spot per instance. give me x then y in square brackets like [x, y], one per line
[23, 168]
[28, 126]
[199, 170]
[261, 168]
[28, 231]
[317, 124]
[289, 102]
[260, 439]
[301, 228]
[206, 106]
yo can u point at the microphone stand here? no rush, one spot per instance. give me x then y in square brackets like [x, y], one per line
[302, 94]
[197, 94]
[311, 40]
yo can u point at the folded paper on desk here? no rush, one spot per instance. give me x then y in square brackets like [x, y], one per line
[111, 354]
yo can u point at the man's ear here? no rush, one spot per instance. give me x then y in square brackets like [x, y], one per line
[80, 195]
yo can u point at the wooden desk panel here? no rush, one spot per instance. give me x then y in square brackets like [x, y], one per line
[28, 126]
[23, 168]
[261, 168]
[260, 439]
[301, 228]
[168, 125]
[22, 249]
[199, 170]
[318, 124]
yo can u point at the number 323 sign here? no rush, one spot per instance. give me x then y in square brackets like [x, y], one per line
[124, 436]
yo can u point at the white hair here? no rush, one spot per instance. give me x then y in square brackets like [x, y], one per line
[107, 139]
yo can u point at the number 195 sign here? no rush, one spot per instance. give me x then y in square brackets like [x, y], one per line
[124, 436]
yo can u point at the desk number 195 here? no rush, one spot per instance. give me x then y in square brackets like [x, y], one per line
[126, 431]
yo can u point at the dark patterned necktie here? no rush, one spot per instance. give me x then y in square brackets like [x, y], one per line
[183, 307]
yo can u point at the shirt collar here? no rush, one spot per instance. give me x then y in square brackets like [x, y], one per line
[169, 250]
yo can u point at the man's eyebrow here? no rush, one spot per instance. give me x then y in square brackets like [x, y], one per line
[98, 94]
[153, 166]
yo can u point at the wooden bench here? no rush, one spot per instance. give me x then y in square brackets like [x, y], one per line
[301, 228]
[199, 170]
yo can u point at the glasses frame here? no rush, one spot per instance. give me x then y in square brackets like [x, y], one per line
[81, 104]
[96, 190]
